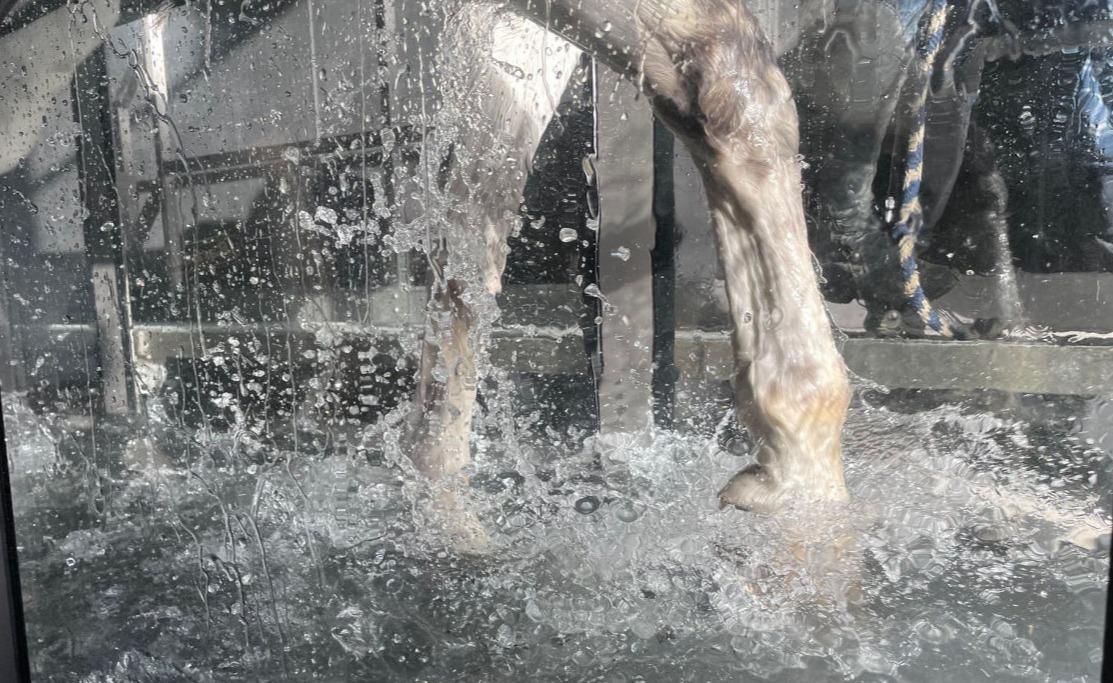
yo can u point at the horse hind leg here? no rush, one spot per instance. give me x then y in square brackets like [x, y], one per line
[502, 79]
[713, 79]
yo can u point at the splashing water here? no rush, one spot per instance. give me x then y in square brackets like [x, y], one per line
[975, 546]
[962, 551]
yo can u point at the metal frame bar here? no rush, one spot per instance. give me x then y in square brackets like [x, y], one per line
[1107, 649]
[663, 267]
[14, 663]
[105, 239]
[624, 154]
[241, 164]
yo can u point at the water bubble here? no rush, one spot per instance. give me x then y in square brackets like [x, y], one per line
[582, 658]
[587, 505]
[628, 512]
[504, 637]
[991, 533]
[534, 611]
[644, 629]
[592, 290]
[326, 215]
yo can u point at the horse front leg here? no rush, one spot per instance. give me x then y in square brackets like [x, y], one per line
[712, 78]
[733, 108]
[790, 381]
[502, 78]
[438, 427]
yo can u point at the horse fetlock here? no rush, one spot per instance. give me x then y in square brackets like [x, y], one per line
[788, 476]
[800, 458]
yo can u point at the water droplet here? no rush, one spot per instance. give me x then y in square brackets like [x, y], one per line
[628, 512]
[589, 169]
[931, 633]
[622, 254]
[583, 657]
[568, 235]
[587, 505]
[534, 611]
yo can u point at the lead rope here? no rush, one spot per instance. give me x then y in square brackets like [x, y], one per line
[911, 216]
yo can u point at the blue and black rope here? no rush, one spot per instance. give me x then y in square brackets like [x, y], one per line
[910, 218]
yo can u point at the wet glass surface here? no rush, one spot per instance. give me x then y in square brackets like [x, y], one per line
[975, 546]
[215, 263]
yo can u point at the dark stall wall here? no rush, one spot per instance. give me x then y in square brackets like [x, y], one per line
[45, 277]
[272, 97]
[231, 80]
[299, 72]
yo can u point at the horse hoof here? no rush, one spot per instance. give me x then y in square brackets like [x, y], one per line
[458, 524]
[752, 489]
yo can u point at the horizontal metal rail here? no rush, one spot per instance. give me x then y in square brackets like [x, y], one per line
[540, 334]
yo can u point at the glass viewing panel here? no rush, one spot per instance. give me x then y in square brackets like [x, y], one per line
[239, 427]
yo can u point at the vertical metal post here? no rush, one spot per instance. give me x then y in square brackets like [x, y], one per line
[663, 259]
[154, 64]
[14, 666]
[387, 32]
[1107, 645]
[624, 176]
[11, 372]
[104, 238]
[591, 317]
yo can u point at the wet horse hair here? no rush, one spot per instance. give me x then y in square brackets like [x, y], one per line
[710, 75]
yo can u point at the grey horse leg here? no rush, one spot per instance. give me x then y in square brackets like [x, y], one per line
[502, 79]
[711, 76]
